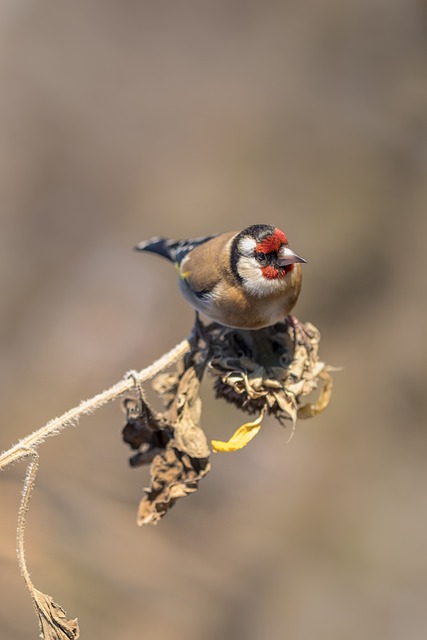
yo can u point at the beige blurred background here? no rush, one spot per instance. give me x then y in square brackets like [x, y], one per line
[121, 120]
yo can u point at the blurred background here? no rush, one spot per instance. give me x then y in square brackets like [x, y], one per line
[122, 120]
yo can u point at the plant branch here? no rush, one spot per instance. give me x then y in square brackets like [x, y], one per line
[27, 445]
[22, 517]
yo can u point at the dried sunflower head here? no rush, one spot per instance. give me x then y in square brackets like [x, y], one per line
[272, 370]
[269, 371]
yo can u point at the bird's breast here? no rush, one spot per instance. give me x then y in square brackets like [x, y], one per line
[233, 307]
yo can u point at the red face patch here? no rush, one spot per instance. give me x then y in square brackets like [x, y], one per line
[272, 243]
[271, 273]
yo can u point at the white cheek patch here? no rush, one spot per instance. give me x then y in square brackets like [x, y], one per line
[247, 246]
[254, 282]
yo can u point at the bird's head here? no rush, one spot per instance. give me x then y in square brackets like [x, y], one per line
[262, 260]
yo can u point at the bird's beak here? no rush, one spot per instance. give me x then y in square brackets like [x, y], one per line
[287, 256]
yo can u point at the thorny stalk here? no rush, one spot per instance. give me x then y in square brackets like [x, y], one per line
[26, 446]
[22, 517]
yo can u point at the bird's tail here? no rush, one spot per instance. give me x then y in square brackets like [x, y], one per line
[162, 246]
[173, 250]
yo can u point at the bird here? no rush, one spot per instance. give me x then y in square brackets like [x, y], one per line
[245, 280]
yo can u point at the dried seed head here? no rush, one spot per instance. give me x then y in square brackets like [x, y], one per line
[270, 370]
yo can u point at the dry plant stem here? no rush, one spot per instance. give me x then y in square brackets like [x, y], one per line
[53, 624]
[28, 444]
[22, 517]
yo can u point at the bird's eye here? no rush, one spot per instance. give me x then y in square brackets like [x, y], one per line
[261, 257]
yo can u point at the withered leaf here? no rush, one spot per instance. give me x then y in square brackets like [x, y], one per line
[52, 619]
[241, 437]
[146, 431]
[188, 435]
[176, 471]
[174, 475]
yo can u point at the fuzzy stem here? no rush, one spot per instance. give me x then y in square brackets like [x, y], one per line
[27, 445]
[22, 518]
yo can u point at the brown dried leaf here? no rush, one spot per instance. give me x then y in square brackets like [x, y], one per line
[165, 385]
[188, 435]
[146, 431]
[174, 475]
[52, 619]
[177, 470]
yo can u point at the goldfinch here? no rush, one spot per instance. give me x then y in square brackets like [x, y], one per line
[247, 280]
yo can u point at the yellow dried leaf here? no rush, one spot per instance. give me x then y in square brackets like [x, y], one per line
[240, 438]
